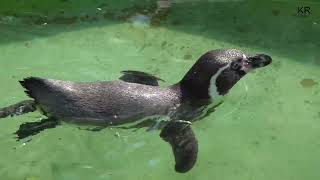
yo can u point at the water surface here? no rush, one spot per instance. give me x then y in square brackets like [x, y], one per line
[268, 128]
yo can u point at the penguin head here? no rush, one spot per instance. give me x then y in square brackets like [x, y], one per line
[217, 71]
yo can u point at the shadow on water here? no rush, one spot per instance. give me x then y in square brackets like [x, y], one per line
[48, 18]
[270, 26]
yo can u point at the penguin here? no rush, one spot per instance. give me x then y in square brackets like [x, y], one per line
[138, 100]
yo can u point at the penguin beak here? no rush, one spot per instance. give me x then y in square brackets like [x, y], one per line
[258, 61]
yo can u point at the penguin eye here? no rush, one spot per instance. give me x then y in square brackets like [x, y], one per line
[236, 66]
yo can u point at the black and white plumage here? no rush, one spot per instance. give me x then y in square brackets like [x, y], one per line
[138, 96]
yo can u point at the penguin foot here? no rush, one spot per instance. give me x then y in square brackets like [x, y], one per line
[20, 108]
[32, 128]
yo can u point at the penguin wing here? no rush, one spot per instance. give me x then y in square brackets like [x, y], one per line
[184, 144]
[140, 78]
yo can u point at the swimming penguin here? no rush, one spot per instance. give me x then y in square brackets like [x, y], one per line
[137, 96]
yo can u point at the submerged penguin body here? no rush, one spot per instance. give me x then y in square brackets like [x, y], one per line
[100, 103]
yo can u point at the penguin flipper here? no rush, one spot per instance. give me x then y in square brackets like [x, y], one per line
[183, 142]
[140, 77]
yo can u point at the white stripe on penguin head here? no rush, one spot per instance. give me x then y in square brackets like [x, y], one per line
[213, 90]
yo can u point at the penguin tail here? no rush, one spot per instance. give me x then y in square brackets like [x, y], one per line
[41, 91]
[32, 85]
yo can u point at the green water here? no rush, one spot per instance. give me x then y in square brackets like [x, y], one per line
[268, 128]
